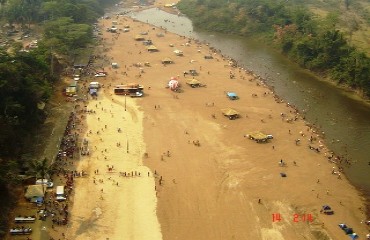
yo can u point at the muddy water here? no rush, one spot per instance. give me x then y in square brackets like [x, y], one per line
[343, 117]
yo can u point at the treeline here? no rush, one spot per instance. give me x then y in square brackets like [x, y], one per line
[26, 78]
[312, 42]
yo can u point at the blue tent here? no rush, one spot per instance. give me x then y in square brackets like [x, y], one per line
[353, 236]
[93, 92]
[232, 95]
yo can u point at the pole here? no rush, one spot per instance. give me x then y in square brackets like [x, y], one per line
[125, 102]
[127, 143]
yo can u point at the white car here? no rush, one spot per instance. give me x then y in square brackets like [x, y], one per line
[46, 182]
[100, 75]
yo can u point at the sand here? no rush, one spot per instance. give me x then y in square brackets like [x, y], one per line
[229, 187]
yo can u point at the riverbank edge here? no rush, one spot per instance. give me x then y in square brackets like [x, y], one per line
[356, 94]
[363, 194]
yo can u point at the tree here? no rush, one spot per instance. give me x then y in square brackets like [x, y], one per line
[65, 36]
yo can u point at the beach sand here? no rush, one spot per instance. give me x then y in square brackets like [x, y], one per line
[229, 187]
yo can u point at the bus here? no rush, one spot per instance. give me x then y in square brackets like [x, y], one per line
[132, 90]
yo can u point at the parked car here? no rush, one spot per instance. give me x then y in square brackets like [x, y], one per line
[100, 74]
[46, 182]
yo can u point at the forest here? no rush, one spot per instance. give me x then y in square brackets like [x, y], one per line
[318, 43]
[27, 79]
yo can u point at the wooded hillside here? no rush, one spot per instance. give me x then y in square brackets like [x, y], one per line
[321, 43]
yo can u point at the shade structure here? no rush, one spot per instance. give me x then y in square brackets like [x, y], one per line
[192, 82]
[167, 60]
[139, 38]
[152, 48]
[229, 112]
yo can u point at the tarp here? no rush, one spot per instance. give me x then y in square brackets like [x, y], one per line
[35, 191]
[229, 112]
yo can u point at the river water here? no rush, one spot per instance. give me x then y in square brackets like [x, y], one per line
[343, 117]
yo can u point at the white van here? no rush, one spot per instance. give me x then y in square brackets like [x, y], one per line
[60, 193]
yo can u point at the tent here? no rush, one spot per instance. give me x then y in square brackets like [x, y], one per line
[230, 113]
[326, 209]
[178, 52]
[353, 236]
[173, 84]
[152, 48]
[35, 191]
[193, 83]
[167, 60]
[232, 95]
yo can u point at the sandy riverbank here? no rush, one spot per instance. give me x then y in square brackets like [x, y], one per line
[211, 191]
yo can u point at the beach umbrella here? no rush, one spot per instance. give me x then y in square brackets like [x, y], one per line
[173, 84]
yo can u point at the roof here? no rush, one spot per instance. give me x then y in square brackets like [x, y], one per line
[35, 191]
[152, 47]
[166, 59]
[192, 81]
[229, 112]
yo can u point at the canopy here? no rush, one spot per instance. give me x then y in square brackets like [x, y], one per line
[152, 48]
[173, 84]
[178, 52]
[35, 191]
[166, 60]
[257, 135]
[229, 112]
[192, 82]
[139, 38]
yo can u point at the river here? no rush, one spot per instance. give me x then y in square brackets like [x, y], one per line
[343, 117]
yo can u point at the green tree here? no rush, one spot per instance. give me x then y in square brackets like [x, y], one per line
[65, 36]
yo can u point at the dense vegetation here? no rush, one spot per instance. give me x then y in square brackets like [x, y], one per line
[26, 79]
[313, 42]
